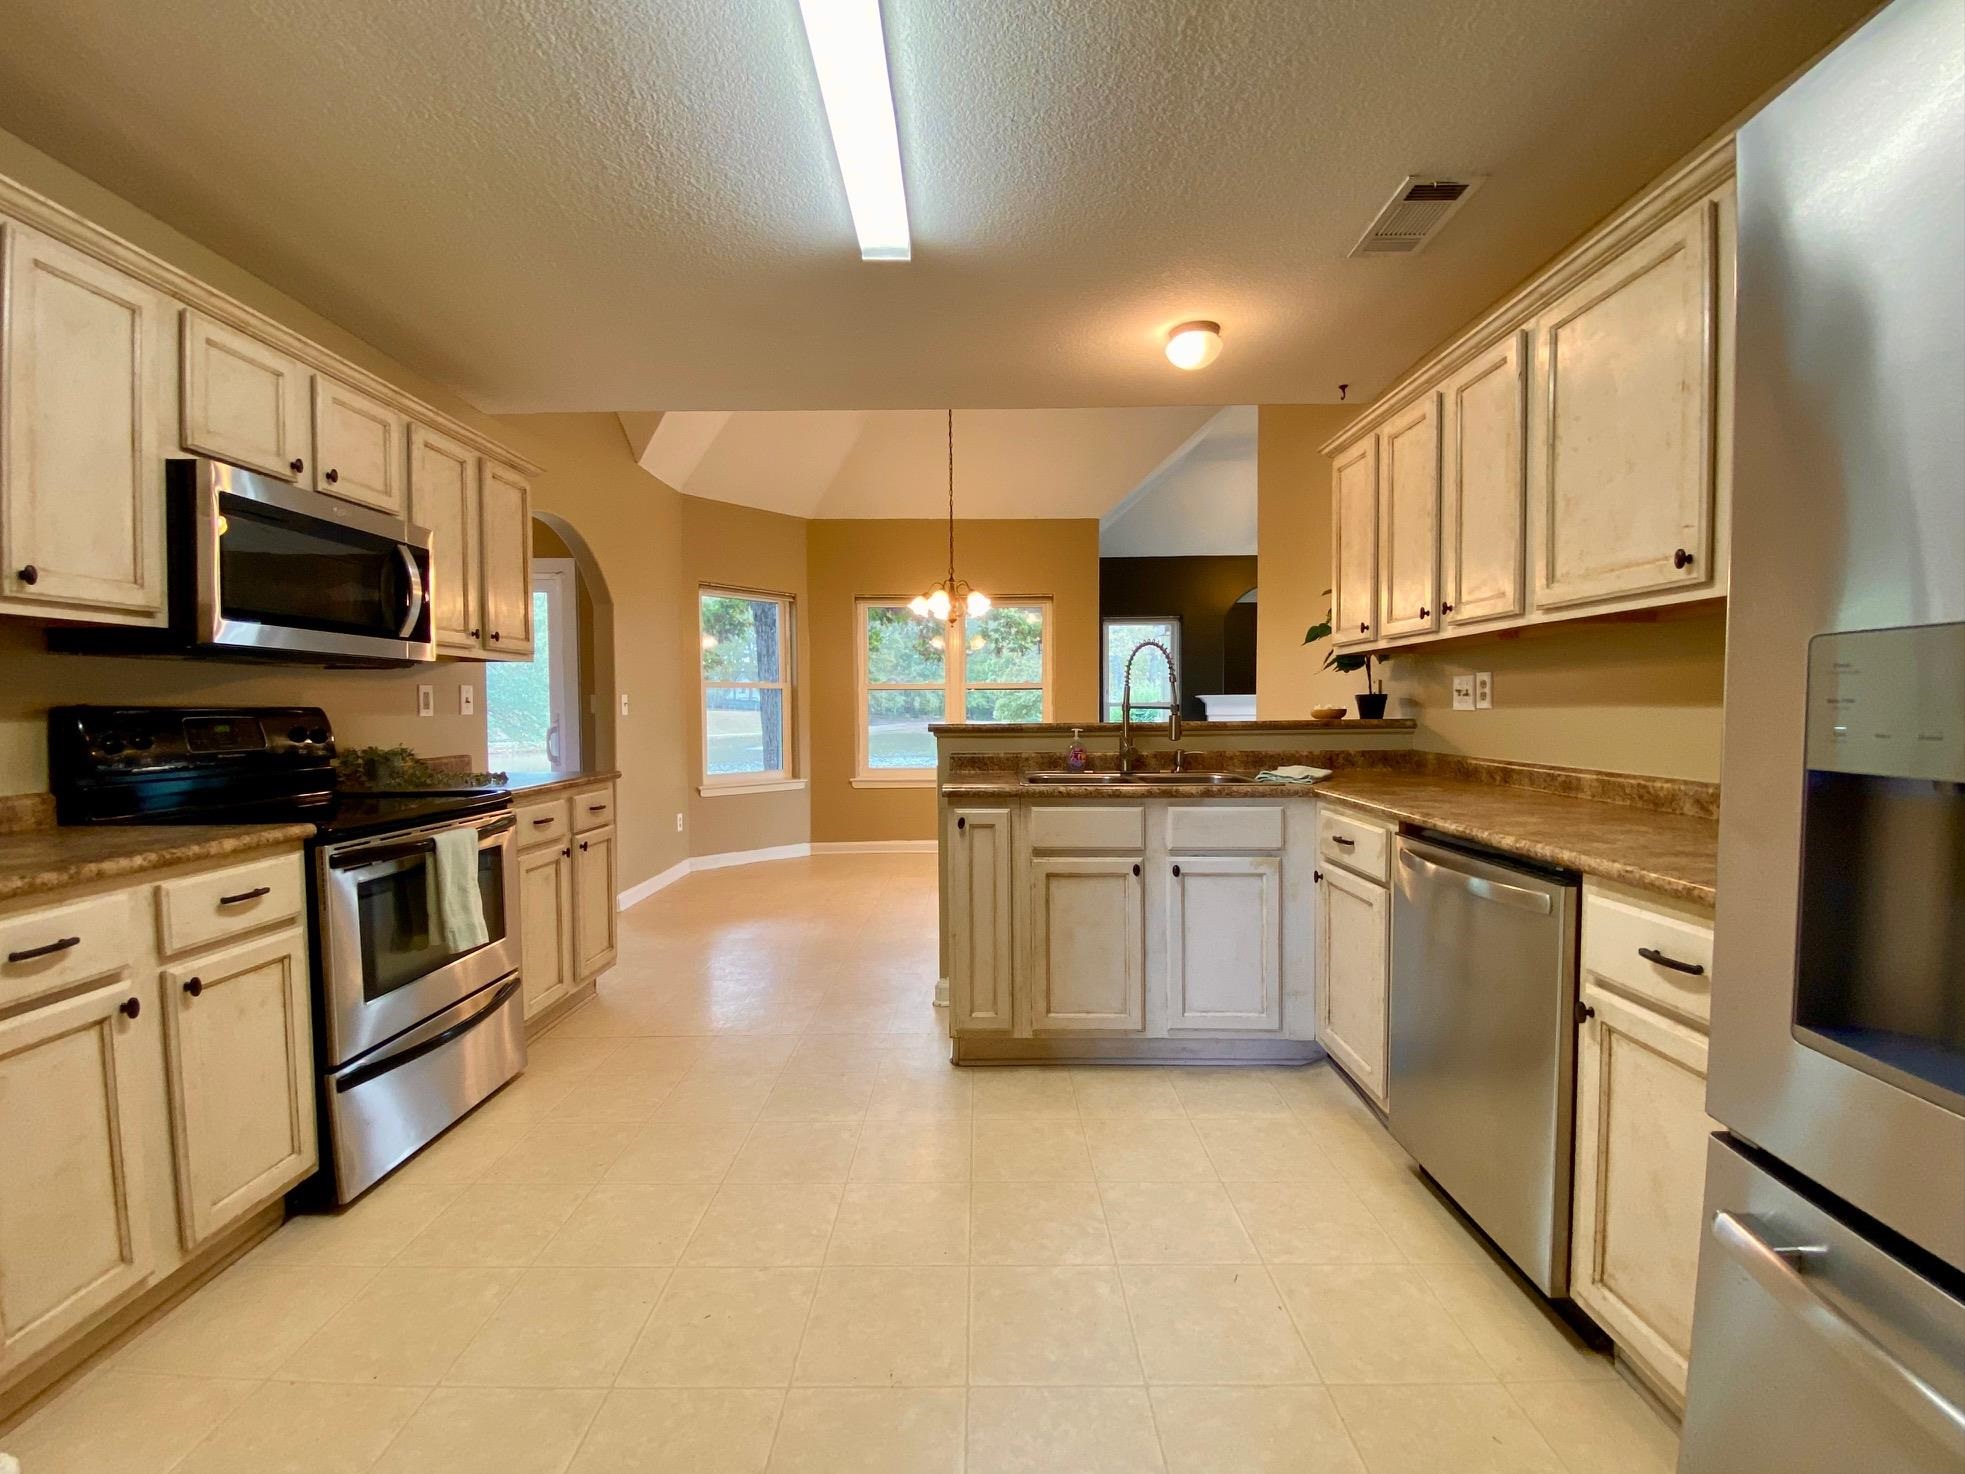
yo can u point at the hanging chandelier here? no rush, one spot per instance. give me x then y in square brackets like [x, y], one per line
[949, 599]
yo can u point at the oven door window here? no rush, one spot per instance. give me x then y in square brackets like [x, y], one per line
[280, 568]
[401, 941]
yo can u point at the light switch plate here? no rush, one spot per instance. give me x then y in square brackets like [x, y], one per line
[1483, 690]
[1463, 693]
[426, 701]
[467, 701]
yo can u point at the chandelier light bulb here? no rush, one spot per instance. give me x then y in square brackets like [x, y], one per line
[918, 606]
[1194, 345]
[978, 603]
[939, 603]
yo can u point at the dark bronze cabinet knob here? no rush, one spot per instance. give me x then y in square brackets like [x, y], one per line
[130, 1007]
[1176, 870]
[1135, 869]
[29, 575]
[496, 636]
[296, 465]
[961, 823]
[1364, 629]
[195, 987]
[583, 844]
[1446, 609]
[1424, 612]
[331, 475]
[1681, 559]
[477, 634]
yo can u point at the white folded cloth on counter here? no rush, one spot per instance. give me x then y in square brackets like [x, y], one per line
[456, 906]
[1292, 773]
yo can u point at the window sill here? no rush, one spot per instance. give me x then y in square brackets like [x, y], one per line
[926, 782]
[728, 790]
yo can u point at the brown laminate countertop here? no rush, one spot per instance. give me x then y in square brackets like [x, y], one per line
[538, 785]
[35, 861]
[1200, 729]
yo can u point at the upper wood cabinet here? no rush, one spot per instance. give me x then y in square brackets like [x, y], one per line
[505, 510]
[1354, 544]
[1409, 520]
[88, 353]
[358, 446]
[980, 960]
[1484, 532]
[443, 497]
[1624, 467]
[1087, 963]
[243, 402]
[74, 1196]
[240, 1068]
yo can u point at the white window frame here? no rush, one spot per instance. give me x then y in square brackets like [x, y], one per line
[785, 776]
[1107, 700]
[557, 579]
[954, 684]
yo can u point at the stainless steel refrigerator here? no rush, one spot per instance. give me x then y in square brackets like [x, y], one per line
[1829, 1336]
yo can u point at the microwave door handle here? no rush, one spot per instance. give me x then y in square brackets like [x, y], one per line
[413, 605]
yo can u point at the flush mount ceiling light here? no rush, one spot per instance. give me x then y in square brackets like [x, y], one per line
[849, 52]
[1194, 345]
[952, 597]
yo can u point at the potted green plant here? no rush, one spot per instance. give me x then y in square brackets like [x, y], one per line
[1371, 701]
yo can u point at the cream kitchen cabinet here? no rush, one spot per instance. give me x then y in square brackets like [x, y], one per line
[546, 925]
[75, 1198]
[1354, 917]
[443, 497]
[359, 446]
[1354, 544]
[568, 896]
[594, 907]
[1409, 521]
[1224, 931]
[505, 513]
[242, 401]
[1641, 1127]
[85, 407]
[1087, 955]
[1484, 530]
[980, 957]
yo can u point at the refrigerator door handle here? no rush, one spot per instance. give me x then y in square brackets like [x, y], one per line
[1780, 1272]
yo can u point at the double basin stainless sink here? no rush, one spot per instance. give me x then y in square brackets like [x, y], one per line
[1115, 780]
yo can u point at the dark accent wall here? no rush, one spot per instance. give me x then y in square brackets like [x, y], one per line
[1217, 646]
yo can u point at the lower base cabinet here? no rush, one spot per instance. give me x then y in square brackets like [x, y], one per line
[1225, 942]
[567, 896]
[1354, 918]
[1087, 944]
[594, 908]
[545, 926]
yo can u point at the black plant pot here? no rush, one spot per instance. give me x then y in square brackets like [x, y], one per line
[1371, 706]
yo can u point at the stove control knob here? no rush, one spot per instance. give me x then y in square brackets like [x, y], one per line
[296, 734]
[143, 742]
[111, 743]
[318, 734]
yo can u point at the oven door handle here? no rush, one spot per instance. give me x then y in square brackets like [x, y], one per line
[413, 611]
[382, 854]
[362, 1073]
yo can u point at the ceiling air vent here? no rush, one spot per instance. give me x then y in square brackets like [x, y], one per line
[1416, 211]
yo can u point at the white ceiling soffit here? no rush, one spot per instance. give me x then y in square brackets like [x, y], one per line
[580, 207]
[894, 463]
[1201, 500]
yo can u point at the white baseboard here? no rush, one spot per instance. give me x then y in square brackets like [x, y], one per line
[750, 857]
[642, 890]
[874, 847]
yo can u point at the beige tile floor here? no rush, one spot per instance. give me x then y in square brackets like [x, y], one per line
[741, 1215]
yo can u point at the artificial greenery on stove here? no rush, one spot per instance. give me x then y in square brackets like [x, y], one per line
[391, 769]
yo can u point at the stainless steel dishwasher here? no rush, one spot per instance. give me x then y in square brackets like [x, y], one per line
[1481, 1081]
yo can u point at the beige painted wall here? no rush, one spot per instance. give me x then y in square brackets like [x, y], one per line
[742, 548]
[850, 559]
[1293, 559]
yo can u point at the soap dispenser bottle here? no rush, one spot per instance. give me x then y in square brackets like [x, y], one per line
[1076, 757]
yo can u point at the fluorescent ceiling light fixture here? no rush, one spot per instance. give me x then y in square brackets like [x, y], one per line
[849, 51]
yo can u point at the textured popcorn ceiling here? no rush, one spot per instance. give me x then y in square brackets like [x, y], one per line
[632, 204]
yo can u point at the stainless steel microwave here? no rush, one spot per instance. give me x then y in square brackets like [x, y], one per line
[262, 570]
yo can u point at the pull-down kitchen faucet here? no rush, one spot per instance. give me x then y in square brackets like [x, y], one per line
[1128, 754]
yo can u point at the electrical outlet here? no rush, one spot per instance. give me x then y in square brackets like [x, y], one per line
[1483, 690]
[1463, 693]
[426, 701]
[467, 701]
[624, 712]
[678, 817]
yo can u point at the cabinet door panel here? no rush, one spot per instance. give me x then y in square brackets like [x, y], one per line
[241, 1069]
[443, 496]
[1641, 1129]
[1354, 544]
[1225, 943]
[359, 446]
[1353, 918]
[979, 912]
[243, 402]
[1409, 528]
[1086, 945]
[506, 511]
[545, 926]
[82, 440]
[593, 900]
[1626, 359]
[72, 1237]
[1483, 539]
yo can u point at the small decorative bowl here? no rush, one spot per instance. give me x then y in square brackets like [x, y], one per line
[1327, 713]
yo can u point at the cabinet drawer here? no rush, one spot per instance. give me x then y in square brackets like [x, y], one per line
[50, 950]
[540, 822]
[593, 809]
[1629, 945]
[1225, 826]
[201, 909]
[1357, 844]
[1087, 827]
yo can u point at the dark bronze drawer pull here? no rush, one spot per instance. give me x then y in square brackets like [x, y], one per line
[1652, 954]
[252, 895]
[596, 808]
[1340, 839]
[542, 823]
[48, 951]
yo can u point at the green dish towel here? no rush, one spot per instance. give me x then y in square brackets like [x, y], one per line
[1292, 773]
